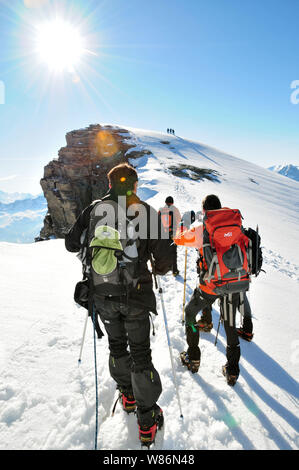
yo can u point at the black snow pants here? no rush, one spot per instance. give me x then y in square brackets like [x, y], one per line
[246, 319]
[173, 254]
[200, 301]
[130, 362]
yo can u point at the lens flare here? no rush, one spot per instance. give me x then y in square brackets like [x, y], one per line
[35, 3]
[105, 144]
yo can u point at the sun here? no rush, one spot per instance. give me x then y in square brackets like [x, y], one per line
[59, 45]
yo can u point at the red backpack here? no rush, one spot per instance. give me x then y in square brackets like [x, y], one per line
[226, 251]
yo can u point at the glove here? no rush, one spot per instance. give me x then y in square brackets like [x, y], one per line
[81, 294]
[161, 271]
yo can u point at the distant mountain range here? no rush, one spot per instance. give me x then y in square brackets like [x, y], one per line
[291, 171]
[21, 216]
[31, 203]
[7, 198]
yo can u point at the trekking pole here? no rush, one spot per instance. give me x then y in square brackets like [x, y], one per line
[257, 249]
[169, 346]
[185, 281]
[96, 378]
[158, 286]
[220, 317]
[83, 338]
[192, 220]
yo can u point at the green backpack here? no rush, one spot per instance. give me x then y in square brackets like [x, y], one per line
[113, 259]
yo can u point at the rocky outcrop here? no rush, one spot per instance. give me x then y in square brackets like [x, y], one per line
[194, 173]
[79, 174]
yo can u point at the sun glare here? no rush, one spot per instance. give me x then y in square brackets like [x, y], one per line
[59, 45]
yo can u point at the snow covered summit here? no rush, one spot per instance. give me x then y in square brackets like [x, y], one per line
[190, 170]
[291, 171]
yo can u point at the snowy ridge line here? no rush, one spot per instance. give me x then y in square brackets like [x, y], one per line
[276, 261]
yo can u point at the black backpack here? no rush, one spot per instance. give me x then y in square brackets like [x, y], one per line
[257, 255]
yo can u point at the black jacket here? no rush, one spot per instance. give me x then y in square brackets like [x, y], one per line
[157, 248]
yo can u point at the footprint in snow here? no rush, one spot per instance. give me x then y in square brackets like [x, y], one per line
[13, 412]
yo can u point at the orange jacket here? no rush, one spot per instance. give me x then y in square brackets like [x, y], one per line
[193, 238]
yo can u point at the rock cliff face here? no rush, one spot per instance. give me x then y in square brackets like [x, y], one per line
[79, 174]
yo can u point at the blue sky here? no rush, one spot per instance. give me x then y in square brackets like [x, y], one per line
[217, 71]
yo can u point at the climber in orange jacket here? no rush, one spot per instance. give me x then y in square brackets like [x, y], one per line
[202, 299]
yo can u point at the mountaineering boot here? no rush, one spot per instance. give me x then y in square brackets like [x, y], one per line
[126, 398]
[230, 379]
[244, 335]
[176, 273]
[192, 365]
[128, 401]
[203, 325]
[149, 422]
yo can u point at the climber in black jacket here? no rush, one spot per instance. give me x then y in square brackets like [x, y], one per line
[126, 318]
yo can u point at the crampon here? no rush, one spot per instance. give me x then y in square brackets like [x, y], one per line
[147, 434]
[192, 365]
[127, 401]
[230, 379]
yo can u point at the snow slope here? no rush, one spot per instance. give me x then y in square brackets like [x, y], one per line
[263, 197]
[47, 401]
